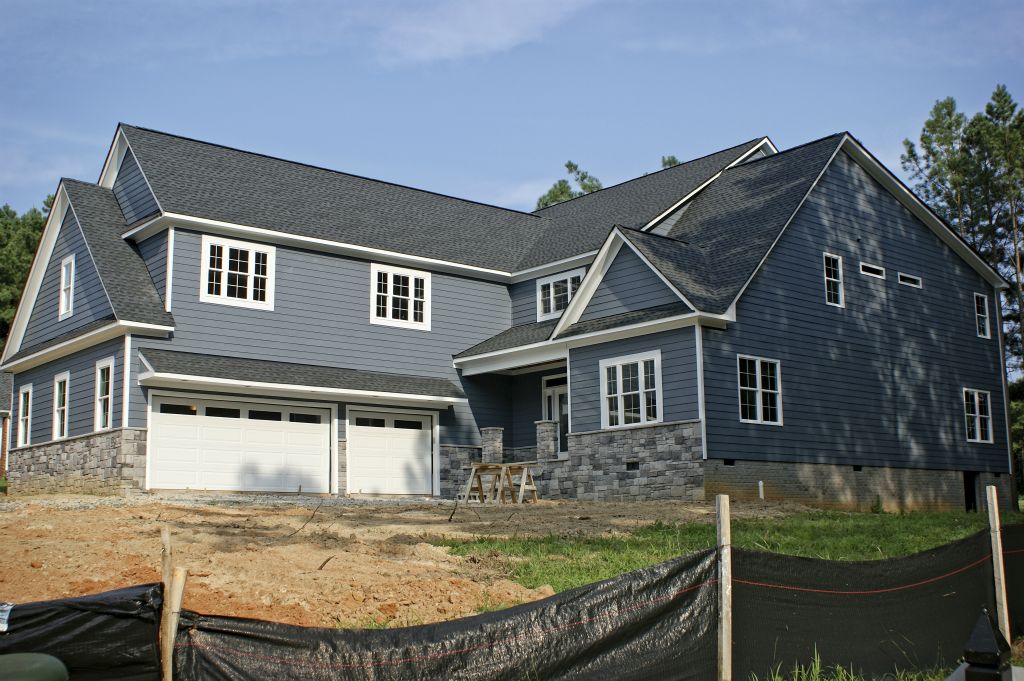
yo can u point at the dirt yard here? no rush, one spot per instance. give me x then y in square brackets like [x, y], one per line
[347, 563]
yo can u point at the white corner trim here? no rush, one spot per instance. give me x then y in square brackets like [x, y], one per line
[701, 408]
[551, 279]
[126, 375]
[169, 270]
[413, 275]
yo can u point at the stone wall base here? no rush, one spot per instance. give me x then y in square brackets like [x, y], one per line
[653, 462]
[108, 463]
[844, 488]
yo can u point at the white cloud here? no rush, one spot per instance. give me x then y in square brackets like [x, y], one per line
[452, 29]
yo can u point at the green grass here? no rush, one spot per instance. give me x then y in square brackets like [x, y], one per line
[3, 485]
[565, 562]
[816, 672]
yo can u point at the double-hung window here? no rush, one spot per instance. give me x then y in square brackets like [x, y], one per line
[631, 390]
[555, 292]
[981, 315]
[24, 415]
[237, 273]
[104, 405]
[66, 296]
[760, 385]
[399, 297]
[61, 385]
[833, 265]
[978, 415]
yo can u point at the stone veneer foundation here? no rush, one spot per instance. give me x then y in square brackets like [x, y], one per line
[844, 488]
[110, 463]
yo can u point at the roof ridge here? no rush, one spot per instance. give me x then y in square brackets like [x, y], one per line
[786, 151]
[646, 175]
[327, 170]
[637, 230]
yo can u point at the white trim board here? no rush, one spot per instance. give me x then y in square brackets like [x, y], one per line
[86, 340]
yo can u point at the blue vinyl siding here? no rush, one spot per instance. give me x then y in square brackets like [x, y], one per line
[132, 192]
[321, 316]
[527, 392]
[81, 391]
[628, 285]
[154, 252]
[524, 302]
[880, 381]
[678, 376]
[90, 300]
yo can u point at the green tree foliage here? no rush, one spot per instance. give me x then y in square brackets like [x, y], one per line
[563, 191]
[970, 170]
[19, 235]
[669, 161]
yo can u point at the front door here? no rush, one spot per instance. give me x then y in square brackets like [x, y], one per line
[556, 408]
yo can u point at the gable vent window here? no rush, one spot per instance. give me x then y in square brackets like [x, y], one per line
[66, 301]
[872, 270]
[978, 415]
[981, 315]
[237, 273]
[399, 297]
[555, 292]
[910, 280]
[834, 280]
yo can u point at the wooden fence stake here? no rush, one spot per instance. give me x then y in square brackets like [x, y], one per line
[169, 621]
[165, 558]
[996, 535]
[724, 588]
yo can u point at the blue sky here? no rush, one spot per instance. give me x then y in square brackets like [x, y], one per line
[484, 99]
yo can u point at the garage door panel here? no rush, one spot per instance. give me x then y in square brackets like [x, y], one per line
[391, 456]
[220, 452]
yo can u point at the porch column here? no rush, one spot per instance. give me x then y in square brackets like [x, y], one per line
[492, 444]
[547, 440]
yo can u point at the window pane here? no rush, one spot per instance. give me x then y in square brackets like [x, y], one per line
[259, 279]
[631, 408]
[104, 381]
[223, 412]
[770, 407]
[613, 411]
[62, 394]
[238, 285]
[382, 305]
[748, 373]
[650, 380]
[367, 422]
[408, 425]
[769, 376]
[630, 378]
[651, 398]
[257, 415]
[213, 283]
[399, 308]
[561, 295]
[748, 404]
[574, 284]
[182, 409]
[304, 418]
[417, 311]
[400, 285]
[969, 402]
[419, 289]
[382, 282]
[545, 298]
[611, 381]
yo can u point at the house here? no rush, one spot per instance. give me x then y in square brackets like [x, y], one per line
[789, 323]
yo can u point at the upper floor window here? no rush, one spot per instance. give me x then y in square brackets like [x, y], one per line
[61, 383]
[760, 384]
[834, 280]
[981, 315]
[910, 280]
[104, 411]
[631, 390]
[872, 270]
[978, 415]
[25, 415]
[237, 273]
[66, 300]
[555, 292]
[399, 297]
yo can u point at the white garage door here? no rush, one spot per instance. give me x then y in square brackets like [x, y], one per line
[390, 453]
[227, 445]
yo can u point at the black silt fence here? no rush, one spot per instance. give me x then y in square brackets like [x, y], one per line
[111, 635]
[656, 623]
[1013, 564]
[874, 616]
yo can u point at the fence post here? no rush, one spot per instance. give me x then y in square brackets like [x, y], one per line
[996, 536]
[724, 588]
[166, 560]
[170, 613]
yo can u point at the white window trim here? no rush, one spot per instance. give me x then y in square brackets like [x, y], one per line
[62, 312]
[401, 323]
[223, 298]
[872, 274]
[66, 377]
[919, 280]
[824, 273]
[24, 437]
[739, 390]
[639, 358]
[988, 323]
[555, 314]
[106, 363]
[989, 439]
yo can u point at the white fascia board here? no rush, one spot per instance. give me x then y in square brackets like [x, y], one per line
[764, 141]
[44, 250]
[86, 340]
[112, 163]
[554, 267]
[558, 350]
[920, 210]
[605, 256]
[169, 380]
[231, 229]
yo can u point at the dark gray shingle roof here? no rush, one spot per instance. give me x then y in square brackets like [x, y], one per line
[581, 224]
[524, 334]
[626, 318]
[57, 340]
[121, 268]
[285, 373]
[219, 183]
